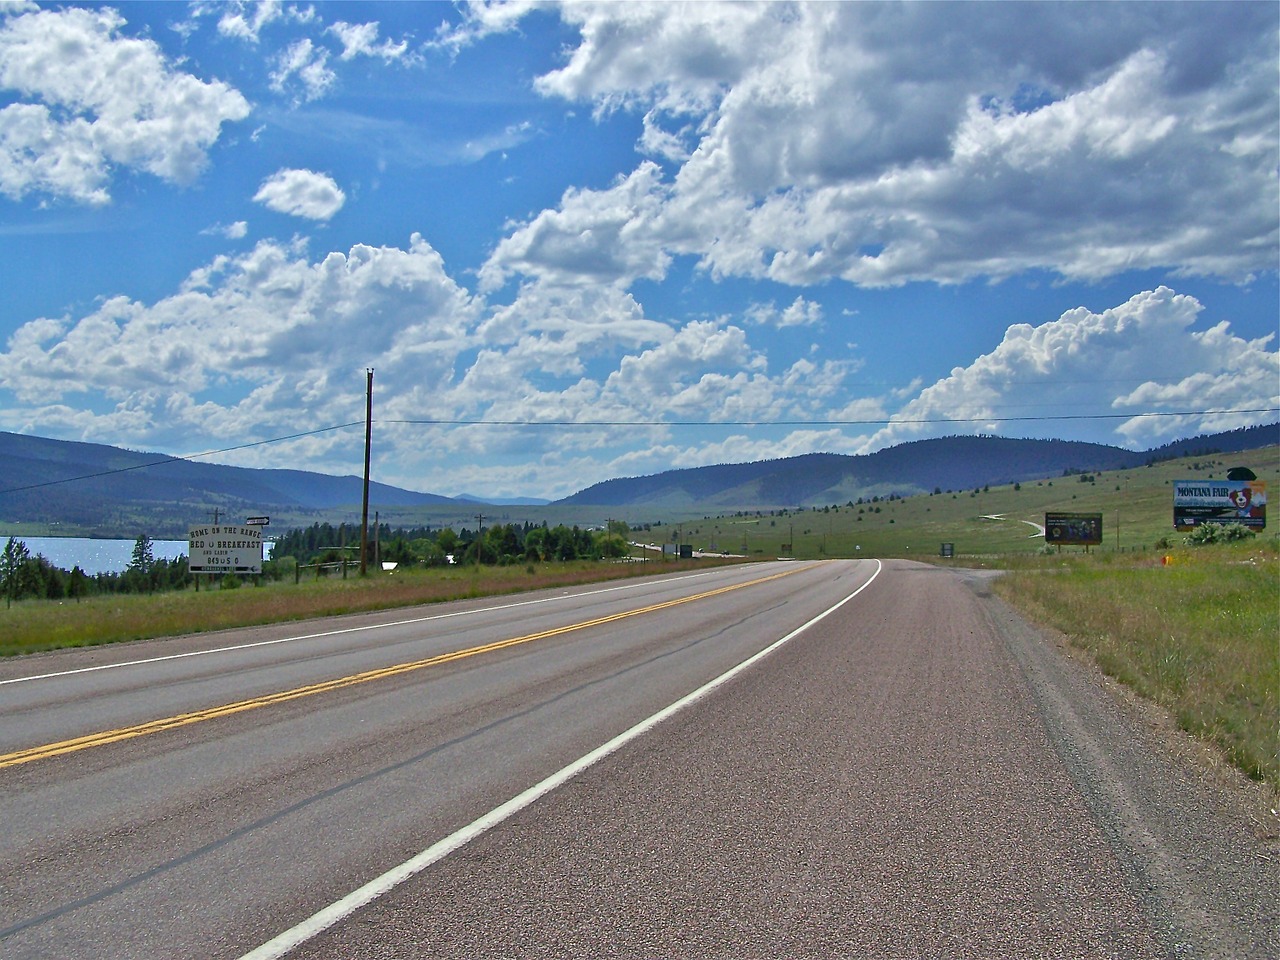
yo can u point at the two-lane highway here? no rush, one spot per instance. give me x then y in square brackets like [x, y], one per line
[782, 759]
[192, 797]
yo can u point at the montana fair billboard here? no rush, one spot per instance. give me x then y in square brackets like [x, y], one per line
[1197, 502]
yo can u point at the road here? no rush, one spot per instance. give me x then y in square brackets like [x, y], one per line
[845, 758]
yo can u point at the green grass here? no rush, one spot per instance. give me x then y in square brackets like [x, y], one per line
[1200, 636]
[1136, 506]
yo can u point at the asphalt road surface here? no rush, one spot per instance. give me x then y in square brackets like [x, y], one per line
[838, 759]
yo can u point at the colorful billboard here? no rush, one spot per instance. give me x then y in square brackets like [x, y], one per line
[1197, 502]
[1073, 529]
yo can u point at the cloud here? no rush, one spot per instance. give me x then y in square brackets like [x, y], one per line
[360, 40]
[93, 101]
[232, 231]
[396, 141]
[801, 313]
[680, 59]
[482, 19]
[596, 236]
[556, 331]
[273, 342]
[301, 67]
[1140, 357]
[887, 145]
[309, 64]
[301, 193]
[245, 21]
[267, 343]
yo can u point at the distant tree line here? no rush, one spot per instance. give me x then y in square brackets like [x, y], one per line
[25, 576]
[500, 543]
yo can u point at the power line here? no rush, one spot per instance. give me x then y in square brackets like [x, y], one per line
[884, 421]
[189, 457]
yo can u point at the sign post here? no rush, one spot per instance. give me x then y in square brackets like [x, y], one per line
[225, 549]
[1200, 502]
[1073, 529]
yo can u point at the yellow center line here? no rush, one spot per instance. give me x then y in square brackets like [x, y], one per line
[240, 706]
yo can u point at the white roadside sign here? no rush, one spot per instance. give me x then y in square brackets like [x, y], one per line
[225, 549]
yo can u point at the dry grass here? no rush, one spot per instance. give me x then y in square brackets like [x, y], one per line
[34, 625]
[1200, 636]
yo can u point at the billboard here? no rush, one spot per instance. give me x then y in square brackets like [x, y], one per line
[1197, 502]
[1072, 529]
[225, 549]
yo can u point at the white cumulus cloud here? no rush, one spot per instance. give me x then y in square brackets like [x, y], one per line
[266, 343]
[308, 64]
[883, 145]
[301, 193]
[1140, 363]
[91, 101]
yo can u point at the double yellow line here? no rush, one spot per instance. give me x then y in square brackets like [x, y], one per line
[297, 693]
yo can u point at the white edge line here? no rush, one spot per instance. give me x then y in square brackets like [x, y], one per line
[280, 945]
[335, 633]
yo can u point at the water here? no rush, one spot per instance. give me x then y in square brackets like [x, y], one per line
[95, 556]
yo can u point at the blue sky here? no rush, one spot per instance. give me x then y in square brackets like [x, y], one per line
[579, 241]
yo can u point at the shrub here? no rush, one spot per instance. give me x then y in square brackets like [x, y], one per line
[1217, 533]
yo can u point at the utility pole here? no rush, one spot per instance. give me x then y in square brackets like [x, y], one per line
[479, 537]
[368, 442]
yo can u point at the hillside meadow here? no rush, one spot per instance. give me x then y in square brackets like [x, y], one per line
[1193, 629]
[997, 521]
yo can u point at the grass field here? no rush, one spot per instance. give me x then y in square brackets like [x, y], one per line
[1136, 507]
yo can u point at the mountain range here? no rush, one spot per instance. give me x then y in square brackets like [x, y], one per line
[101, 490]
[921, 466]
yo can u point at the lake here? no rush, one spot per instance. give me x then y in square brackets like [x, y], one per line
[95, 556]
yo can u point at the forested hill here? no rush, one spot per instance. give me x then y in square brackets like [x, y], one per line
[118, 492]
[111, 485]
[921, 466]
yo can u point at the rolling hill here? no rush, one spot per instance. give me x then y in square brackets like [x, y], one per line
[922, 466]
[97, 490]
[93, 487]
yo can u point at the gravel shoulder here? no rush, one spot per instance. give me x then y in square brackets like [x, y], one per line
[1201, 839]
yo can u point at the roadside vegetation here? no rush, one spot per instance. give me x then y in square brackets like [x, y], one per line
[1195, 629]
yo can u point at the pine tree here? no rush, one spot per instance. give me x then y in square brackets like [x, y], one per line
[143, 558]
[12, 562]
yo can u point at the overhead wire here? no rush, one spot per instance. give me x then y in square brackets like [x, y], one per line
[483, 421]
[881, 421]
[187, 458]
